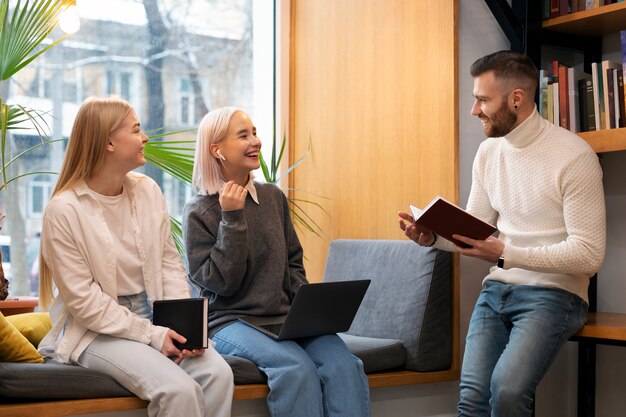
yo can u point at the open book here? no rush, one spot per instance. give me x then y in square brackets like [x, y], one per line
[187, 317]
[446, 219]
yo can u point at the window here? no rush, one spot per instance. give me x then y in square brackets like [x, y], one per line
[187, 110]
[211, 55]
[39, 190]
[119, 84]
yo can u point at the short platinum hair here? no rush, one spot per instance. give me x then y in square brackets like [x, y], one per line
[207, 176]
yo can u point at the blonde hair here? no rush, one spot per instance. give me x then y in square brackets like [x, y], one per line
[97, 118]
[207, 177]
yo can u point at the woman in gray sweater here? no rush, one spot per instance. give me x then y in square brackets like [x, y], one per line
[244, 255]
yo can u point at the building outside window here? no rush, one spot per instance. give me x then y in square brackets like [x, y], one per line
[165, 74]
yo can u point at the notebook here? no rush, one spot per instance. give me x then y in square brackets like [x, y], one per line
[186, 316]
[317, 309]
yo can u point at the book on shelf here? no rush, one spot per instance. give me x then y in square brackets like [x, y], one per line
[622, 36]
[550, 103]
[563, 98]
[574, 76]
[187, 317]
[621, 99]
[608, 92]
[446, 219]
[586, 111]
[598, 95]
[554, 8]
[543, 94]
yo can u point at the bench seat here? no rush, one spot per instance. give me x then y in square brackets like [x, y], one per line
[402, 332]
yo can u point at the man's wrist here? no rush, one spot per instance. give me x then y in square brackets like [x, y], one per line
[433, 242]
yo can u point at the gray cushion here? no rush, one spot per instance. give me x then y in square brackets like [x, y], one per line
[376, 354]
[53, 380]
[409, 299]
[245, 371]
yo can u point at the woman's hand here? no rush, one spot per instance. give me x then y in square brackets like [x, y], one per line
[233, 196]
[171, 351]
[417, 234]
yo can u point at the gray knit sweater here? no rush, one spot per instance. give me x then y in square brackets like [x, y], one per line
[247, 262]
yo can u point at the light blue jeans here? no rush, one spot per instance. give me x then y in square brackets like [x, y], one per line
[514, 335]
[201, 386]
[311, 377]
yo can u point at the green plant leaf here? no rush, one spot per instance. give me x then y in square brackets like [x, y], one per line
[177, 235]
[22, 33]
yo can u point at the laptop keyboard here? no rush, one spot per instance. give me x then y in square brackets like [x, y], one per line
[272, 328]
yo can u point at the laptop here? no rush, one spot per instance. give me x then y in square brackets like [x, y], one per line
[317, 309]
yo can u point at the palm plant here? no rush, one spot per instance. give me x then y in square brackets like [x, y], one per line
[176, 158]
[22, 32]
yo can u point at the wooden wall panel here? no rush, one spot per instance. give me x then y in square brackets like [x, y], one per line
[374, 85]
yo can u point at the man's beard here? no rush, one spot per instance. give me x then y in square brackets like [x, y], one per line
[501, 122]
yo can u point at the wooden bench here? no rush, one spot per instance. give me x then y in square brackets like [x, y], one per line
[242, 392]
[600, 329]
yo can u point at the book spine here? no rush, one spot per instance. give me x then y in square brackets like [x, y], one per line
[543, 94]
[610, 99]
[598, 97]
[555, 104]
[589, 107]
[550, 104]
[563, 98]
[621, 99]
[573, 100]
[622, 36]
[554, 8]
[582, 108]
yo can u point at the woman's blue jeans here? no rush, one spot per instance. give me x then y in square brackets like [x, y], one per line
[514, 335]
[310, 377]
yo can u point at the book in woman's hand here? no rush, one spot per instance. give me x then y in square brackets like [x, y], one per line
[446, 219]
[187, 317]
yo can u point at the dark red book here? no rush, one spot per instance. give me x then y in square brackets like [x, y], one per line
[554, 8]
[563, 98]
[446, 219]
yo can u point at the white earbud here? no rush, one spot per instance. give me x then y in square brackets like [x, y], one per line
[222, 157]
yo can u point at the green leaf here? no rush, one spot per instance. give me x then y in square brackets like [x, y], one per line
[23, 30]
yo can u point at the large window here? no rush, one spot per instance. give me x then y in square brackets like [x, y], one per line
[174, 60]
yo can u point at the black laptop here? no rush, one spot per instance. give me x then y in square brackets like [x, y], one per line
[317, 309]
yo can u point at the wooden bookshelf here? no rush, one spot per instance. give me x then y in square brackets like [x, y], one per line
[596, 22]
[609, 140]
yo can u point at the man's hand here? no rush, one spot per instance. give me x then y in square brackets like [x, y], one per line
[417, 234]
[233, 196]
[489, 249]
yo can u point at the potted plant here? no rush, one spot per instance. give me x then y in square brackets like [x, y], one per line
[22, 32]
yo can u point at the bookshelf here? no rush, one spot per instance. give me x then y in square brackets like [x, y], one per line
[584, 31]
[595, 22]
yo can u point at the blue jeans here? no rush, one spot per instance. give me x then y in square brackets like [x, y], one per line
[200, 386]
[310, 377]
[514, 334]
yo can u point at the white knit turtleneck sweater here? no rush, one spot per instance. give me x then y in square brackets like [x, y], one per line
[541, 185]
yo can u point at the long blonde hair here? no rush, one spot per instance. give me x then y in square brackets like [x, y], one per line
[207, 177]
[97, 118]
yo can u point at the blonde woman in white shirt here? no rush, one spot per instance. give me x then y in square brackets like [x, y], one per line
[106, 246]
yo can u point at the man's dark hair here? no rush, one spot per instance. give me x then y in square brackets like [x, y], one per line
[511, 67]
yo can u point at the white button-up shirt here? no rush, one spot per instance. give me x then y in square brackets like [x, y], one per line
[78, 249]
